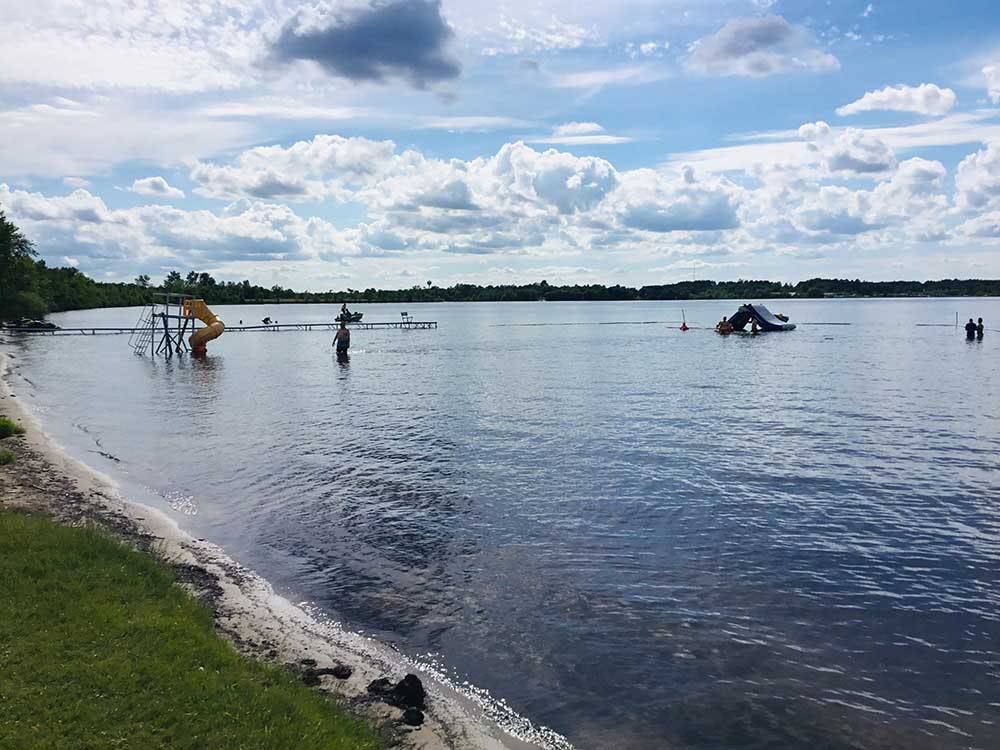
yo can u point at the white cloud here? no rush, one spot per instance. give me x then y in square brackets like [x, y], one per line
[648, 202]
[577, 128]
[282, 109]
[525, 204]
[985, 226]
[596, 79]
[992, 75]
[155, 187]
[951, 130]
[835, 210]
[112, 63]
[747, 157]
[55, 140]
[646, 49]
[786, 148]
[852, 151]
[76, 182]
[814, 131]
[153, 234]
[580, 140]
[791, 207]
[115, 44]
[696, 264]
[77, 207]
[926, 99]
[758, 47]
[553, 34]
[913, 200]
[475, 123]
[306, 170]
[916, 189]
[580, 134]
[978, 179]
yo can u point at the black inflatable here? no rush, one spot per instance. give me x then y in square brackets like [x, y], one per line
[766, 320]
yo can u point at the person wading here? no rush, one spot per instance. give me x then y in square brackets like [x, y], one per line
[343, 338]
[970, 330]
[979, 329]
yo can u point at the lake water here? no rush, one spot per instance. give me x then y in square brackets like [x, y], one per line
[639, 537]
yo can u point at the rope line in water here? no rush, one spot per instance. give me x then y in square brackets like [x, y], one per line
[629, 323]
[949, 325]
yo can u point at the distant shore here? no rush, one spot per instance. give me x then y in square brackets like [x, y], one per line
[247, 611]
[264, 303]
[47, 290]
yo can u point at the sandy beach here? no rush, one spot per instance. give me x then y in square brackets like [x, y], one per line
[247, 611]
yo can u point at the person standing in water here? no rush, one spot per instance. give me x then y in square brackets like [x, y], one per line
[979, 329]
[970, 330]
[343, 338]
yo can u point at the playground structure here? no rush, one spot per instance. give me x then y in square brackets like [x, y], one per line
[165, 322]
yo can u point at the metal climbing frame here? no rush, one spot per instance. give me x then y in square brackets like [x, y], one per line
[162, 326]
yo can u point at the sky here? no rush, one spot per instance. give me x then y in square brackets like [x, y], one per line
[357, 143]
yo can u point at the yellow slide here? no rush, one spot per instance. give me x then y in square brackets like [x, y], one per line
[196, 308]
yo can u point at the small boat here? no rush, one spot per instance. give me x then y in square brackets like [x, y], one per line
[352, 318]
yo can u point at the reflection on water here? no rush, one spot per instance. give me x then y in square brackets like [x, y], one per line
[639, 537]
[344, 360]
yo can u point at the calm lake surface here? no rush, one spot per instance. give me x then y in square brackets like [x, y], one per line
[639, 537]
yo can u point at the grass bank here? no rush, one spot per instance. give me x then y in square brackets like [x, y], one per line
[100, 649]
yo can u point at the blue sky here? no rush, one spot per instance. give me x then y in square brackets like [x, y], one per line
[356, 143]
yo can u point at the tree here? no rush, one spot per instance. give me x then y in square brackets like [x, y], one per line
[174, 282]
[142, 280]
[17, 272]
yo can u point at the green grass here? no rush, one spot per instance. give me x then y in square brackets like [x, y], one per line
[6, 457]
[9, 427]
[100, 649]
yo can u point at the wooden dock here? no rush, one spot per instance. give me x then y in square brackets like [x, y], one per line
[406, 325]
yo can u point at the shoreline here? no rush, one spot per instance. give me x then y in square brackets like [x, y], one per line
[247, 611]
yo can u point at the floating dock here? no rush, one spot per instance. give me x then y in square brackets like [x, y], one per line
[330, 326]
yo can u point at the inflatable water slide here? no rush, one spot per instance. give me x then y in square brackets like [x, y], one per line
[766, 320]
[196, 308]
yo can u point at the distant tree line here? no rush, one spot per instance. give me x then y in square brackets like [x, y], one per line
[29, 288]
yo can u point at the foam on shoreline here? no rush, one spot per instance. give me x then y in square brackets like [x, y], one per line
[258, 621]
